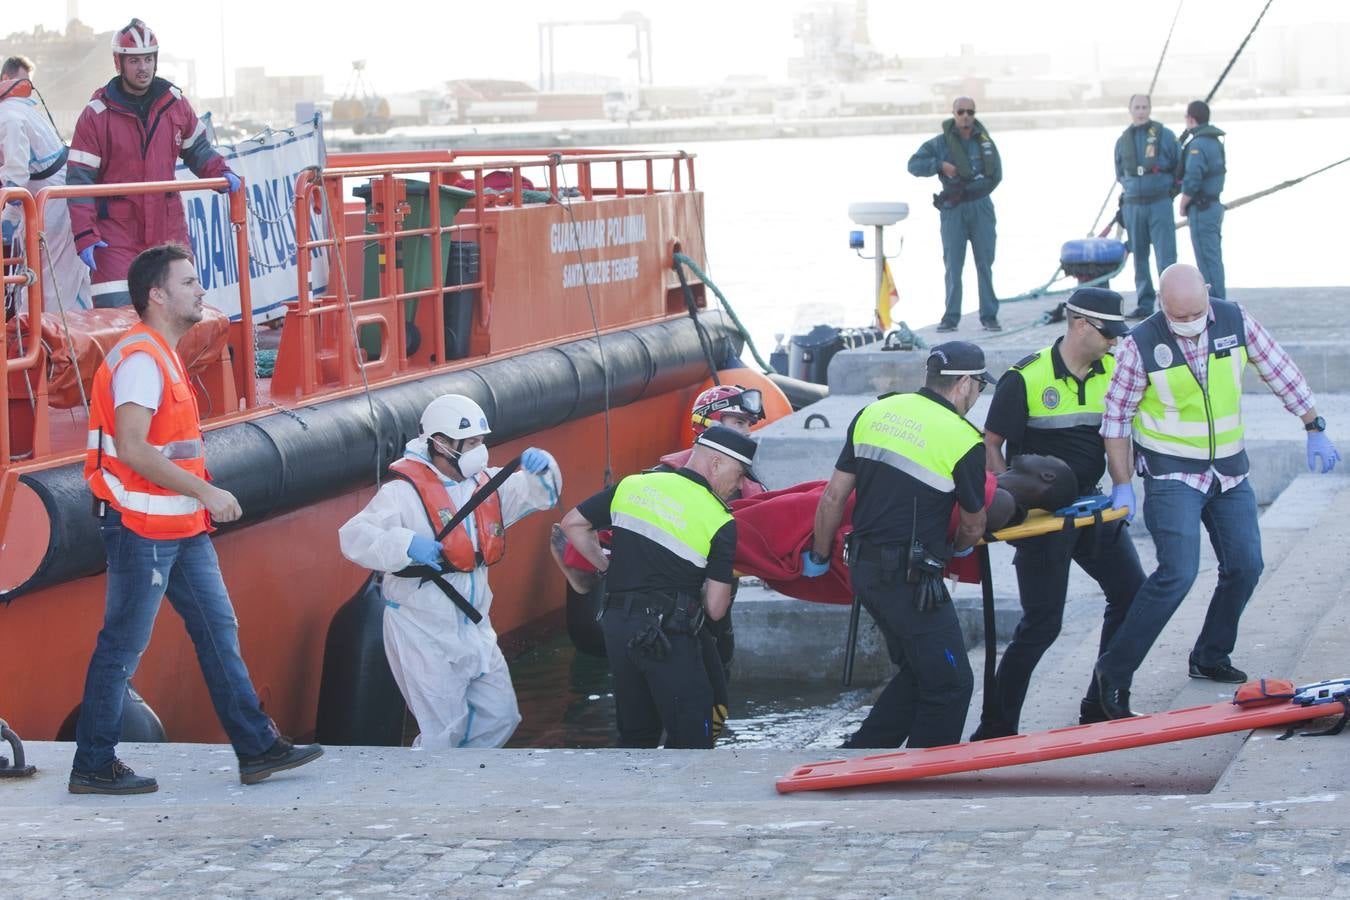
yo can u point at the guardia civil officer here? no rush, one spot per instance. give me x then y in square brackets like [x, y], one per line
[911, 457]
[670, 564]
[1050, 404]
[1146, 160]
[966, 162]
[1203, 168]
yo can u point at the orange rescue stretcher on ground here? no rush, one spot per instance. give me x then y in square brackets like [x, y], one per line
[1254, 706]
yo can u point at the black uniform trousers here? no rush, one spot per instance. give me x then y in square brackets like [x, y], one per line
[1042, 565]
[652, 695]
[927, 700]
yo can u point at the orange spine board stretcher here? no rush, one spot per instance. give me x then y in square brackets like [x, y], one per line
[1057, 743]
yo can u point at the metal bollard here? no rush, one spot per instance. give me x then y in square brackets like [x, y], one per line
[19, 769]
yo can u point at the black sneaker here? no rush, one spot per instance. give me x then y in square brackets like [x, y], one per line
[114, 778]
[1225, 674]
[991, 325]
[1090, 712]
[1139, 313]
[280, 756]
[945, 327]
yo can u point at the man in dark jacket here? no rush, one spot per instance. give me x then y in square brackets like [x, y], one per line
[967, 163]
[1203, 168]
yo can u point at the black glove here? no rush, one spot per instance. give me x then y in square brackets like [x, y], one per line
[651, 642]
[930, 593]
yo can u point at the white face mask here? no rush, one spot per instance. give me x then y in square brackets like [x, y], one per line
[471, 462]
[1191, 329]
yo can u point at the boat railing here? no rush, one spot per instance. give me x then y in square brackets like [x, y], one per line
[321, 349]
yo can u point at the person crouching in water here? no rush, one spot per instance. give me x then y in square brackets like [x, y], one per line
[440, 644]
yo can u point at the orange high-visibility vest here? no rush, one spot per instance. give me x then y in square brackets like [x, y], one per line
[147, 508]
[457, 545]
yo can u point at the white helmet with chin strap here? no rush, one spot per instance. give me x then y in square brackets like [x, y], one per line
[455, 416]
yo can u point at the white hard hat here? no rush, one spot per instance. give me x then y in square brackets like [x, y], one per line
[455, 416]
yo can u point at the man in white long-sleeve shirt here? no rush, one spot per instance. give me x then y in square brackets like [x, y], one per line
[33, 156]
[440, 644]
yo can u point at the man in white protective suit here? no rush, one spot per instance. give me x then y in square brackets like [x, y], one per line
[441, 646]
[33, 156]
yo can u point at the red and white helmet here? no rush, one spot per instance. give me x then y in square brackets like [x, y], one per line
[715, 402]
[134, 40]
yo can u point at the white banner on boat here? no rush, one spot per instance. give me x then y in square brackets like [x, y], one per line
[269, 164]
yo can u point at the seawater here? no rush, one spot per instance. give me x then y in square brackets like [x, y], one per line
[777, 217]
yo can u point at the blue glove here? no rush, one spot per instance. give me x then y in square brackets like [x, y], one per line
[1319, 445]
[233, 179]
[6, 231]
[811, 568]
[87, 254]
[957, 554]
[534, 460]
[425, 551]
[1122, 496]
[16, 201]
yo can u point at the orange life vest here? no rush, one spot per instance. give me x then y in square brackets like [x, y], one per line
[147, 508]
[457, 545]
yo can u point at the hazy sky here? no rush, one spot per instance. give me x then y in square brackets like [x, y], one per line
[416, 44]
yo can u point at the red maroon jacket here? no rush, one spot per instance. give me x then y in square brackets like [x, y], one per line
[113, 145]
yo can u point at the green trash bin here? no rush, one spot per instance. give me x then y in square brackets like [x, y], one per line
[415, 252]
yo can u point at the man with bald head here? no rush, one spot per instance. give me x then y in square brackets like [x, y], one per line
[1174, 415]
[967, 163]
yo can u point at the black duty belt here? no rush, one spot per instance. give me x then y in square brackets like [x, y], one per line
[876, 553]
[1153, 199]
[652, 603]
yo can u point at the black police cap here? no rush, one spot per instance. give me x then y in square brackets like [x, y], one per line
[1101, 304]
[728, 442]
[958, 358]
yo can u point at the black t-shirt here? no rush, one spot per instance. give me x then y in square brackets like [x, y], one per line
[1081, 446]
[639, 564]
[888, 500]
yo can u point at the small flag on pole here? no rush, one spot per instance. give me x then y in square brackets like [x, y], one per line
[887, 298]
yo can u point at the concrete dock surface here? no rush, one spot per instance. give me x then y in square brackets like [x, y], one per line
[1238, 815]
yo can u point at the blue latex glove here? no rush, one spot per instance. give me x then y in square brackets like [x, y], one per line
[87, 254]
[811, 568]
[6, 231]
[957, 554]
[425, 551]
[16, 201]
[1122, 496]
[534, 460]
[233, 179]
[1319, 445]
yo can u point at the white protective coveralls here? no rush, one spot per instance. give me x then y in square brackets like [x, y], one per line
[451, 671]
[28, 145]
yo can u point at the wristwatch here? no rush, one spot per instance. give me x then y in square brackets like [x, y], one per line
[818, 560]
[1317, 424]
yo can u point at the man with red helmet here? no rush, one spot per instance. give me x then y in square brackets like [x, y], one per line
[135, 128]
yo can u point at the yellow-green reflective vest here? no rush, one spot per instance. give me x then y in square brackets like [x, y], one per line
[921, 438]
[670, 510]
[1179, 427]
[1053, 402]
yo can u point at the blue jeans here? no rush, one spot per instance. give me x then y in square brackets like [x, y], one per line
[976, 224]
[1174, 513]
[1150, 225]
[139, 572]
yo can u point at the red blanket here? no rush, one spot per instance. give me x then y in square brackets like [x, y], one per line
[773, 528]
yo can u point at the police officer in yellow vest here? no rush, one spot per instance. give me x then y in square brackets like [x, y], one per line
[912, 457]
[1176, 391]
[1050, 404]
[670, 565]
